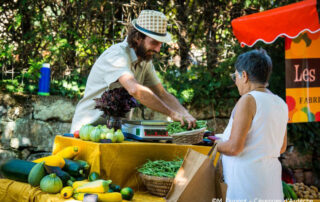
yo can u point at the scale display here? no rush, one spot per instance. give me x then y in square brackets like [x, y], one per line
[146, 130]
[151, 132]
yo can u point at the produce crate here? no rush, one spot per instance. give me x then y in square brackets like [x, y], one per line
[158, 186]
[188, 137]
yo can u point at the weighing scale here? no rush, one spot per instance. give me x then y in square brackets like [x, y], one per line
[145, 130]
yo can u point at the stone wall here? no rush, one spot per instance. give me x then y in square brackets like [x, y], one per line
[29, 123]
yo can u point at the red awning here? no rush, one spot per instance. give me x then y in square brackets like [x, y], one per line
[267, 26]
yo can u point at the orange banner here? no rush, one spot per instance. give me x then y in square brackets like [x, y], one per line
[303, 77]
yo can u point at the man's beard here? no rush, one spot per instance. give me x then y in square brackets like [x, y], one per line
[143, 53]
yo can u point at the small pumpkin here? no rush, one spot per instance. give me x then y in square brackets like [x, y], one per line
[36, 174]
[51, 184]
[66, 192]
[85, 131]
[95, 134]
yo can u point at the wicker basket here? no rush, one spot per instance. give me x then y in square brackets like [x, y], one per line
[188, 137]
[158, 186]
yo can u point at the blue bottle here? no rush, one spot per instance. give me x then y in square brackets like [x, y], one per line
[44, 82]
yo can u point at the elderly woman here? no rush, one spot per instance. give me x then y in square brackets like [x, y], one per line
[256, 134]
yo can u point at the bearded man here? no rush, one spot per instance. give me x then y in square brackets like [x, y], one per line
[129, 64]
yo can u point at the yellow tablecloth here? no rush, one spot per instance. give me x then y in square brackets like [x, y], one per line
[115, 161]
[13, 191]
[119, 161]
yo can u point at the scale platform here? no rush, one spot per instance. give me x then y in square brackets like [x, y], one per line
[145, 130]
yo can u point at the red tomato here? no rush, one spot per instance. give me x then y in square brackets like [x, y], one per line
[76, 134]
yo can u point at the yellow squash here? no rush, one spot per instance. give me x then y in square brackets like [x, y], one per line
[68, 152]
[77, 184]
[98, 186]
[110, 197]
[51, 161]
[78, 196]
[66, 192]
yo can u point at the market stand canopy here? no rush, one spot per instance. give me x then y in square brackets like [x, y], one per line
[267, 26]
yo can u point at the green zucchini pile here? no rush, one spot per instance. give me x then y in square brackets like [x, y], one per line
[60, 173]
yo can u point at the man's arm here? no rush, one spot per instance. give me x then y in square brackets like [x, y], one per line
[147, 97]
[173, 103]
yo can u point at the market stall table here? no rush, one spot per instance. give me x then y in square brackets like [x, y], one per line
[115, 161]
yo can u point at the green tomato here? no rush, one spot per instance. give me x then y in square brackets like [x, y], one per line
[112, 137]
[119, 135]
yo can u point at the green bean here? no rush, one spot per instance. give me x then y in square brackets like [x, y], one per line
[161, 168]
[175, 127]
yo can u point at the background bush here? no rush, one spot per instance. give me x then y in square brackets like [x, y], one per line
[71, 34]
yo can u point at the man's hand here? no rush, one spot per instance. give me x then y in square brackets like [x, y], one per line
[173, 103]
[187, 118]
[175, 116]
[190, 120]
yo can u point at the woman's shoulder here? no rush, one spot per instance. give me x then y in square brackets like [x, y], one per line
[247, 103]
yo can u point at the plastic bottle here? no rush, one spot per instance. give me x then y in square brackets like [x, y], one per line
[44, 82]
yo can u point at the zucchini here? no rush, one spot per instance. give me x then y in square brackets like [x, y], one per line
[68, 152]
[78, 196]
[73, 168]
[64, 176]
[98, 186]
[77, 184]
[85, 165]
[80, 178]
[72, 178]
[51, 161]
[36, 174]
[109, 197]
[115, 187]
[66, 192]
[16, 169]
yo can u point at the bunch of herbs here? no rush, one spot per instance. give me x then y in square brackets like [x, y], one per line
[116, 102]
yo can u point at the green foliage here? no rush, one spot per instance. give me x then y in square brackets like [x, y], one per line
[305, 136]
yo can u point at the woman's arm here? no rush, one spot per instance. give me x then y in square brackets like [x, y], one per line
[284, 144]
[245, 111]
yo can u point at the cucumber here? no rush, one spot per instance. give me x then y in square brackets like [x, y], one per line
[16, 169]
[73, 168]
[64, 176]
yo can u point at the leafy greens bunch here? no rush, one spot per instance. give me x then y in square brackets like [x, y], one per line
[175, 127]
[161, 168]
[116, 102]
